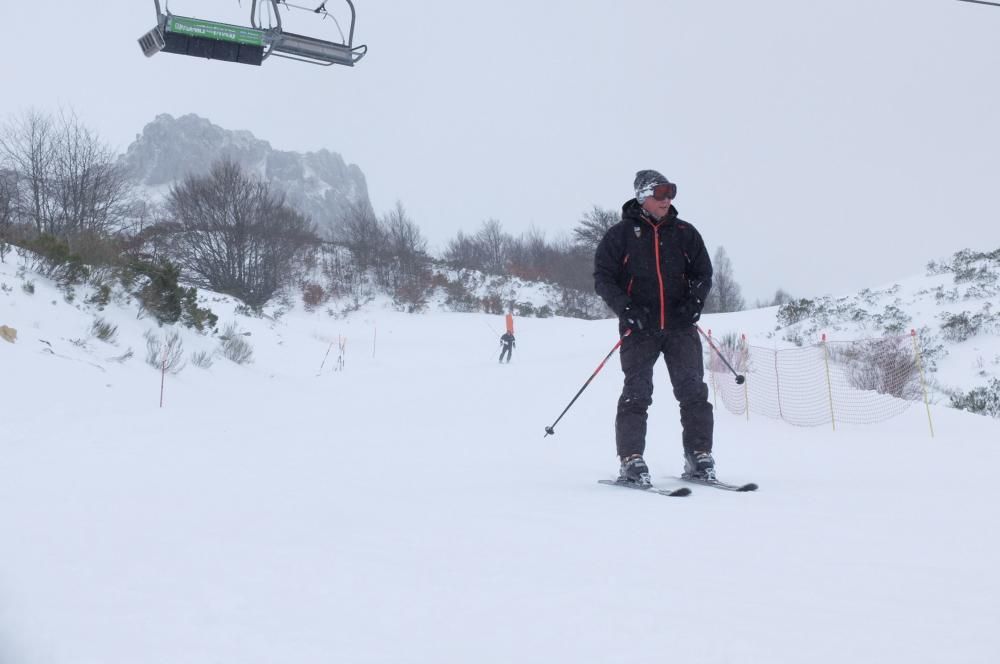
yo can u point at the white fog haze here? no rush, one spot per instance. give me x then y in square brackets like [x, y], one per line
[827, 146]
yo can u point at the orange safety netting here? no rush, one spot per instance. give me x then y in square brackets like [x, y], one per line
[859, 382]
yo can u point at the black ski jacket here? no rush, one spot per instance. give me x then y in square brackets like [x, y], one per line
[660, 266]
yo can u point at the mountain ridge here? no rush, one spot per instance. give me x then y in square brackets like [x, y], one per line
[320, 184]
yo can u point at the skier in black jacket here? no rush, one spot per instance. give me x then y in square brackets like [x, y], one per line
[654, 272]
[507, 342]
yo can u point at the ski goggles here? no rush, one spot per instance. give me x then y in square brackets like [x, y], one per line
[660, 192]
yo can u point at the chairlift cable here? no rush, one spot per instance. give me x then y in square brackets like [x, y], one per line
[982, 2]
[321, 9]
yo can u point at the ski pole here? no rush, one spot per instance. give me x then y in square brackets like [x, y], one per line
[983, 2]
[552, 429]
[740, 378]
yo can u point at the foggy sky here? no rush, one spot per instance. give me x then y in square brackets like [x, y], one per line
[829, 146]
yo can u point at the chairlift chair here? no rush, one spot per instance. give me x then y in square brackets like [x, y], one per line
[253, 45]
[284, 44]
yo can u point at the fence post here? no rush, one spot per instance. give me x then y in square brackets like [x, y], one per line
[711, 375]
[321, 364]
[829, 386]
[746, 383]
[777, 383]
[163, 373]
[923, 385]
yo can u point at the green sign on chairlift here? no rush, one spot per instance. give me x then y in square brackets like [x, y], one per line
[193, 27]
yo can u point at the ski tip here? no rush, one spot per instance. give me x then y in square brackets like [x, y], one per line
[750, 486]
[677, 493]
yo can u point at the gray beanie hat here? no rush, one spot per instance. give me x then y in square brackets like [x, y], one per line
[646, 181]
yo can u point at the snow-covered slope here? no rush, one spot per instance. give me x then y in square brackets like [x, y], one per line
[408, 509]
[954, 307]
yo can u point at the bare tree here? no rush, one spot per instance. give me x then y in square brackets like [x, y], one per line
[28, 147]
[69, 182]
[725, 294]
[529, 256]
[488, 250]
[494, 243]
[591, 229]
[781, 296]
[361, 232]
[8, 204]
[464, 252]
[571, 264]
[405, 244]
[90, 191]
[231, 234]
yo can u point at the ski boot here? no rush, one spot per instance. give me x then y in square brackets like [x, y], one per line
[634, 471]
[699, 465]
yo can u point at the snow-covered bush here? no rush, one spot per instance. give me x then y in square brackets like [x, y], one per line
[52, 257]
[931, 349]
[313, 295]
[101, 296]
[161, 295]
[795, 311]
[893, 320]
[203, 359]
[104, 330]
[165, 353]
[980, 400]
[234, 347]
[887, 366]
[961, 326]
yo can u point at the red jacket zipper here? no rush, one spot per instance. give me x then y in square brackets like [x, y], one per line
[659, 274]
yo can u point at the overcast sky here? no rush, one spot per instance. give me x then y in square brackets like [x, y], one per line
[829, 146]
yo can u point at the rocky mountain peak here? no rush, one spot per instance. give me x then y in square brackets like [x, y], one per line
[319, 184]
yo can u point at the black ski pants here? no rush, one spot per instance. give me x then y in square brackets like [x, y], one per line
[683, 354]
[505, 350]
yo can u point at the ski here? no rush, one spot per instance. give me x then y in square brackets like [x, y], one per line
[750, 486]
[674, 493]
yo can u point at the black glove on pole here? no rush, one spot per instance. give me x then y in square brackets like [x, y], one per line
[691, 308]
[635, 318]
[552, 429]
[740, 378]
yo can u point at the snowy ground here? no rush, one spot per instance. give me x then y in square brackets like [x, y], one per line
[408, 509]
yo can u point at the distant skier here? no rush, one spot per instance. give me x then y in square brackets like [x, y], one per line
[507, 343]
[652, 269]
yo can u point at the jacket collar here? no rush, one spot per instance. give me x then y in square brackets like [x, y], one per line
[633, 212]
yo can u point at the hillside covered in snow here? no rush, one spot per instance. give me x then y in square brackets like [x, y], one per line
[371, 486]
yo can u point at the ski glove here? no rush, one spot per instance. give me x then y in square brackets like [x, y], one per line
[689, 310]
[635, 318]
